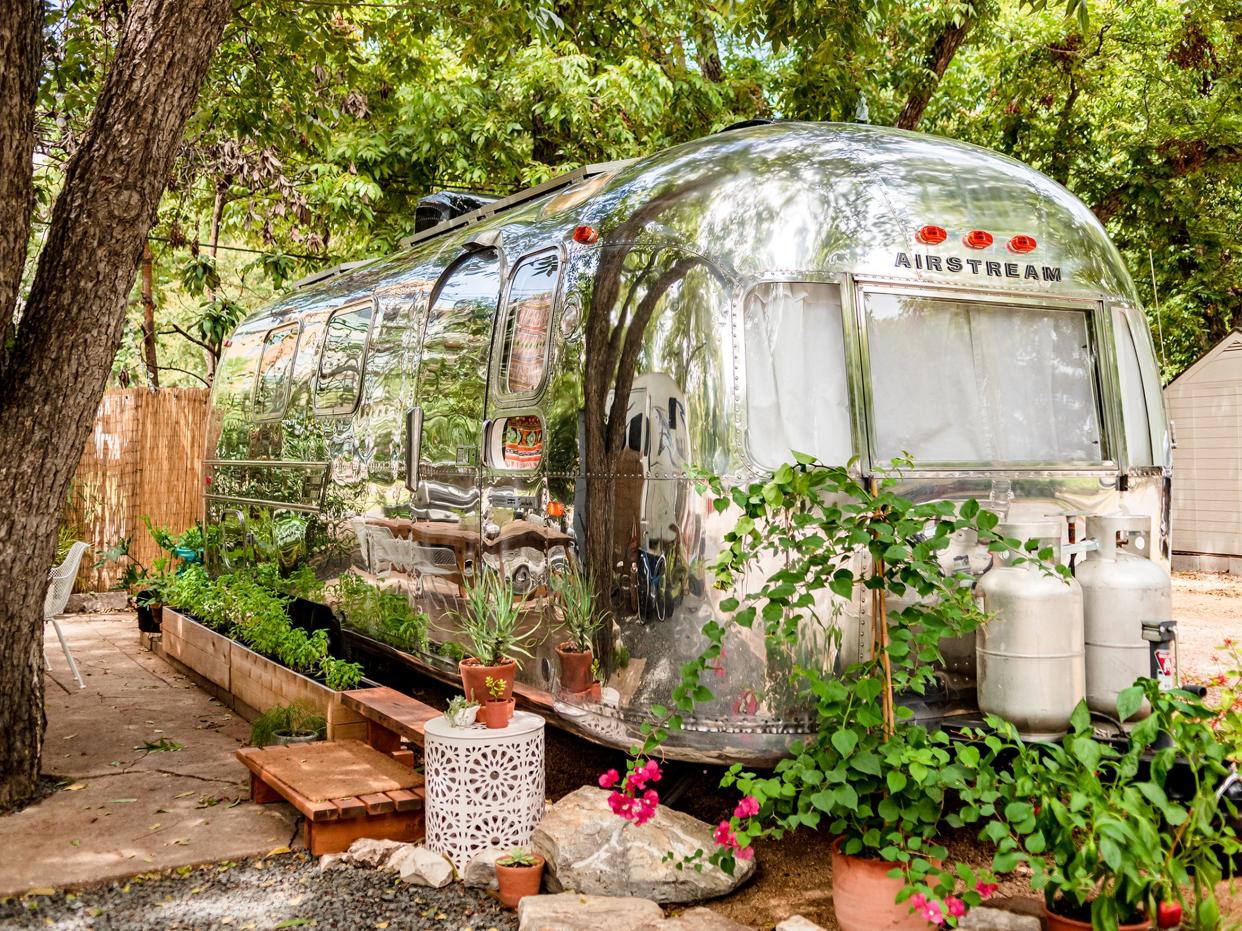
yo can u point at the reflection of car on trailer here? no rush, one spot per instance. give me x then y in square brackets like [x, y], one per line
[852, 292]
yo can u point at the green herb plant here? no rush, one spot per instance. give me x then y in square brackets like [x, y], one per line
[518, 856]
[298, 719]
[492, 621]
[580, 614]
[869, 774]
[496, 688]
[1110, 830]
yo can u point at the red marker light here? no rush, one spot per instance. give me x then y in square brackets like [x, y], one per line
[931, 235]
[585, 235]
[1022, 243]
[978, 239]
[207, 480]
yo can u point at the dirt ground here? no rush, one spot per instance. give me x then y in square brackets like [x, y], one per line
[795, 874]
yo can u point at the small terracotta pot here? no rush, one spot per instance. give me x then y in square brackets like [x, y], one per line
[864, 895]
[474, 678]
[517, 882]
[1061, 923]
[575, 668]
[596, 692]
[497, 712]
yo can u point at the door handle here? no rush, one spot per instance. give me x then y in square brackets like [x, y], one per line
[413, 446]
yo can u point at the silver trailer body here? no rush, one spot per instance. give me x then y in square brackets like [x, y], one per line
[841, 290]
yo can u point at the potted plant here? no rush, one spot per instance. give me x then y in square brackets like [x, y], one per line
[461, 712]
[144, 585]
[581, 620]
[498, 708]
[287, 724]
[870, 775]
[519, 873]
[596, 692]
[1120, 841]
[492, 624]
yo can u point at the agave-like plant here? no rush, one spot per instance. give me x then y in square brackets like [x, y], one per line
[492, 619]
[578, 606]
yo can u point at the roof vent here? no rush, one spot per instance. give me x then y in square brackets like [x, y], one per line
[1233, 346]
[436, 208]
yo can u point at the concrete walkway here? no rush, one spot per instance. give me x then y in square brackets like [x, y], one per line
[129, 809]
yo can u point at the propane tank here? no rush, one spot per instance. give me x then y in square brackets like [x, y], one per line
[1121, 590]
[1030, 654]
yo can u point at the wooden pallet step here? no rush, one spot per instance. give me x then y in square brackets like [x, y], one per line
[404, 800]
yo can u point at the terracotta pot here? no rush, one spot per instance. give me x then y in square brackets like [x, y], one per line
[864, 895]
[1061, 923]
[575, 668]
[596, 692]
[517, 882]
[496, 713]
[474, 678]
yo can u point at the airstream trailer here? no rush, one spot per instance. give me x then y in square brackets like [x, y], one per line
[533, 381]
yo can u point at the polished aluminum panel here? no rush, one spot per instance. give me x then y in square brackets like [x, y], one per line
[715, 266]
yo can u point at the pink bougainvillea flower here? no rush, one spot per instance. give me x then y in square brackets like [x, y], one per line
[955, 906]
[748, 807]
[609, 779]
[745, 853]
[931, 911]
[986, 889]
[918, 901]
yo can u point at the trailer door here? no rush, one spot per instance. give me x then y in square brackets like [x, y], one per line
[452, 386]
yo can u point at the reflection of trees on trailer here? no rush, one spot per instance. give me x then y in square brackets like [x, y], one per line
[539, 380]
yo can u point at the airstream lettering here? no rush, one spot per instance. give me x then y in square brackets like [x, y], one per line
[533, 383]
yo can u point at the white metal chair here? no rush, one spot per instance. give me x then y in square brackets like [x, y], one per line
[60, 584]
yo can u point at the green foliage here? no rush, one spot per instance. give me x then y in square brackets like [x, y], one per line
[251, 607]
[492, 621]
[579, 612]
[1108, 829]
[873, 777]
[458, 708]
[496, 687]
[146, 584]
[294, 720]
[518, 856]
[383, 613]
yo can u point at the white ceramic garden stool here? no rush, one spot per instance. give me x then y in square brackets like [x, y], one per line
[484, 786]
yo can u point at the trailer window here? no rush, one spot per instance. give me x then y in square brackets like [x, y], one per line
[1133, 399]
[271, 388]
[966, 382]
[527, 321]
[797, 397]
[339, 380]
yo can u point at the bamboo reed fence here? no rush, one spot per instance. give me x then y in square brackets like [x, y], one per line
[144, 457]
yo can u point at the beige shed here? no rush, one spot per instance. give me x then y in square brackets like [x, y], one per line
[1204, 404]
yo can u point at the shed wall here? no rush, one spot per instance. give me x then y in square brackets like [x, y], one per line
[1205, 406]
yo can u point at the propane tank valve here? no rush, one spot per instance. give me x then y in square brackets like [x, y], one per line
[1161, 637]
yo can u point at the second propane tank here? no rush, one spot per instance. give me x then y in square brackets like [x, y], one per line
[1121, 590]
[1030, 653]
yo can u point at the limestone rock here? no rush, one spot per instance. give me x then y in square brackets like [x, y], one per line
[697, 919]
[480, 872]
[572, 912]
[798, 923]
[421, 867]
[370, 853]
[593, 851]
[332, 861]
[998, 919]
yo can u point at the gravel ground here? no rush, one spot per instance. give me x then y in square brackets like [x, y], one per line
[281, 891]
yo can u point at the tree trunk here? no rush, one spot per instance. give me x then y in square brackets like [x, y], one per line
[51, 383]
[21, 23]
[942, 52]
[148, 319]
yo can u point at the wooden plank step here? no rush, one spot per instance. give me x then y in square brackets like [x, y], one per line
[393, 710]
[350, 807]
[314, 811]
[378, 803]
[404, 800]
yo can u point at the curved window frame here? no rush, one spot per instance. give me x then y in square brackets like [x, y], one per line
[500, 395]
[277, 412]
[342, 409]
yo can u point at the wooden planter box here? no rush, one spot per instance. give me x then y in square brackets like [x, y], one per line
[248, 683]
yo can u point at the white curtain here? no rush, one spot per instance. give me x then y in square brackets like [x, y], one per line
[796, 391]
[957, 381]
